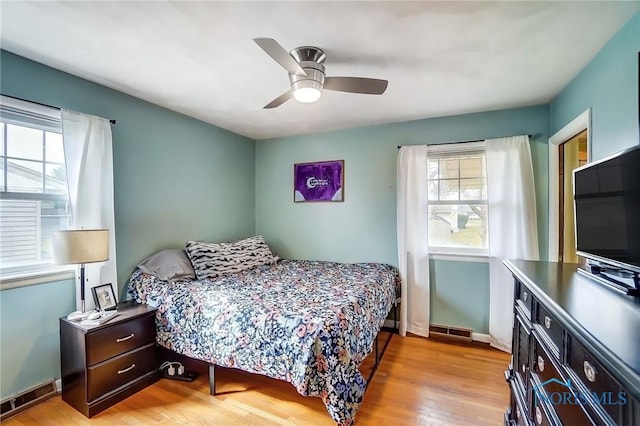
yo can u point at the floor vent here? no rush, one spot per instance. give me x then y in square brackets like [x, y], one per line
[14, 404]
[450, 332]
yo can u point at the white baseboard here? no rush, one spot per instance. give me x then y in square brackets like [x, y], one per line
[58, 385]
[479, 337]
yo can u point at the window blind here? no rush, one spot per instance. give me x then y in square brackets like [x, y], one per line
[19, 112]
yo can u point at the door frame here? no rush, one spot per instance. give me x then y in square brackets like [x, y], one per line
[577, 125]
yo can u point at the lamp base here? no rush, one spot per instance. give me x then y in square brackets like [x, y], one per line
[77, 316]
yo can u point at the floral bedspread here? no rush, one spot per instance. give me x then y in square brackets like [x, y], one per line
[307, 322]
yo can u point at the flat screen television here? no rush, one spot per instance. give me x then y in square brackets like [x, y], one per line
[607, 210]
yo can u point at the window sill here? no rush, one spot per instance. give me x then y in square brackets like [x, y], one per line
[477, 256]
[26, 279]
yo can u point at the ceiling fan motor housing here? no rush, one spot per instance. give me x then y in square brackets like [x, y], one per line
[311, 60]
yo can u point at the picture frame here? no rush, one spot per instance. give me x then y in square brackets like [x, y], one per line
[104, 297]
[318, 181]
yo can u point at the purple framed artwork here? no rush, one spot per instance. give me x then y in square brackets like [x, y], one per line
[319, 181]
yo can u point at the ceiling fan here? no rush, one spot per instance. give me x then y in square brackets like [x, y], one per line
[305, 66]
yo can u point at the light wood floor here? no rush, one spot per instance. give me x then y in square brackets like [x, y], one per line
[419, 382]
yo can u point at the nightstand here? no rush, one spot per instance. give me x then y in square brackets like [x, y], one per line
[104, 364]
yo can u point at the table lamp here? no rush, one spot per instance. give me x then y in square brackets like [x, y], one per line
[79, 247]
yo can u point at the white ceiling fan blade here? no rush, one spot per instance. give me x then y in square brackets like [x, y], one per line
[367, 86]
[281, 56]
[279, 100]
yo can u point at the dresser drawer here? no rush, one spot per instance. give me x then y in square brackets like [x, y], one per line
[110, 375]
[597, 381]
[518, 413]
[541, 415]
[543, 366]
[524, 299]
[119, 338]
[552, 389]
[521, 344]
[550, 327]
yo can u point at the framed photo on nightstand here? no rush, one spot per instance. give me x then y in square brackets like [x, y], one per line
[104, 297]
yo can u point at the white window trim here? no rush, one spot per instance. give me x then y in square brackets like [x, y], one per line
[19, 112]
[457, 253]
[460, 257]
[50, 274]
[456, 148]
[466, 254]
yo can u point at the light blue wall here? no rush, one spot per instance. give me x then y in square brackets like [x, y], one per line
[460, 294]
[176, 178]
[363, 227]
[30, 335]
[609, 86]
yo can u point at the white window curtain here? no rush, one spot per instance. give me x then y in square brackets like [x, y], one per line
[89, 158]
[513, 229]
[413, 239]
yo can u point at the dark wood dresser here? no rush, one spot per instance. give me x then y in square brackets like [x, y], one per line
[104, 364]
[576, 349]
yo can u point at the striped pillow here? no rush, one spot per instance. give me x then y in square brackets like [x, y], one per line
[211, 260]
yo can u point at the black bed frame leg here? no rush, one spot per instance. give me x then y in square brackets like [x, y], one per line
[395, 315]
[212, 379]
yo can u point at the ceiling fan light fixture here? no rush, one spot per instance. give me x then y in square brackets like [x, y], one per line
[307, 91]
[307, 95]
[305, 65]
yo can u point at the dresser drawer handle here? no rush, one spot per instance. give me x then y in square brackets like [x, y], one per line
[547, 322]
[122, 339]
[540, 363]
[525, 296]
[538, 415]
[589, 371]
[131, 367]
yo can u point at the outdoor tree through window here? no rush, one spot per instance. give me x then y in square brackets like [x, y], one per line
[457, 184]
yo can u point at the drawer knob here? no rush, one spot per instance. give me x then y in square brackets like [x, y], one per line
[547, 322]
[131, 367]
[589, 371]
[122, 339]
[538, 415]
[540, 363]
[525, 296]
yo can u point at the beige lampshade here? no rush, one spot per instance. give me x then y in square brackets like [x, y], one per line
[80, 246]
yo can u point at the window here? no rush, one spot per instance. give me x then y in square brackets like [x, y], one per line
[457, 185]
[34, 201]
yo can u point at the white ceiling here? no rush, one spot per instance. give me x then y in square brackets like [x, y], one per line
[198, 58]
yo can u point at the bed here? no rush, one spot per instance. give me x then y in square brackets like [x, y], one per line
[309, 323]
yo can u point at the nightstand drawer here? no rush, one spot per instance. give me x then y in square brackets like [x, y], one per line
[116, 372]
[120, 338]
